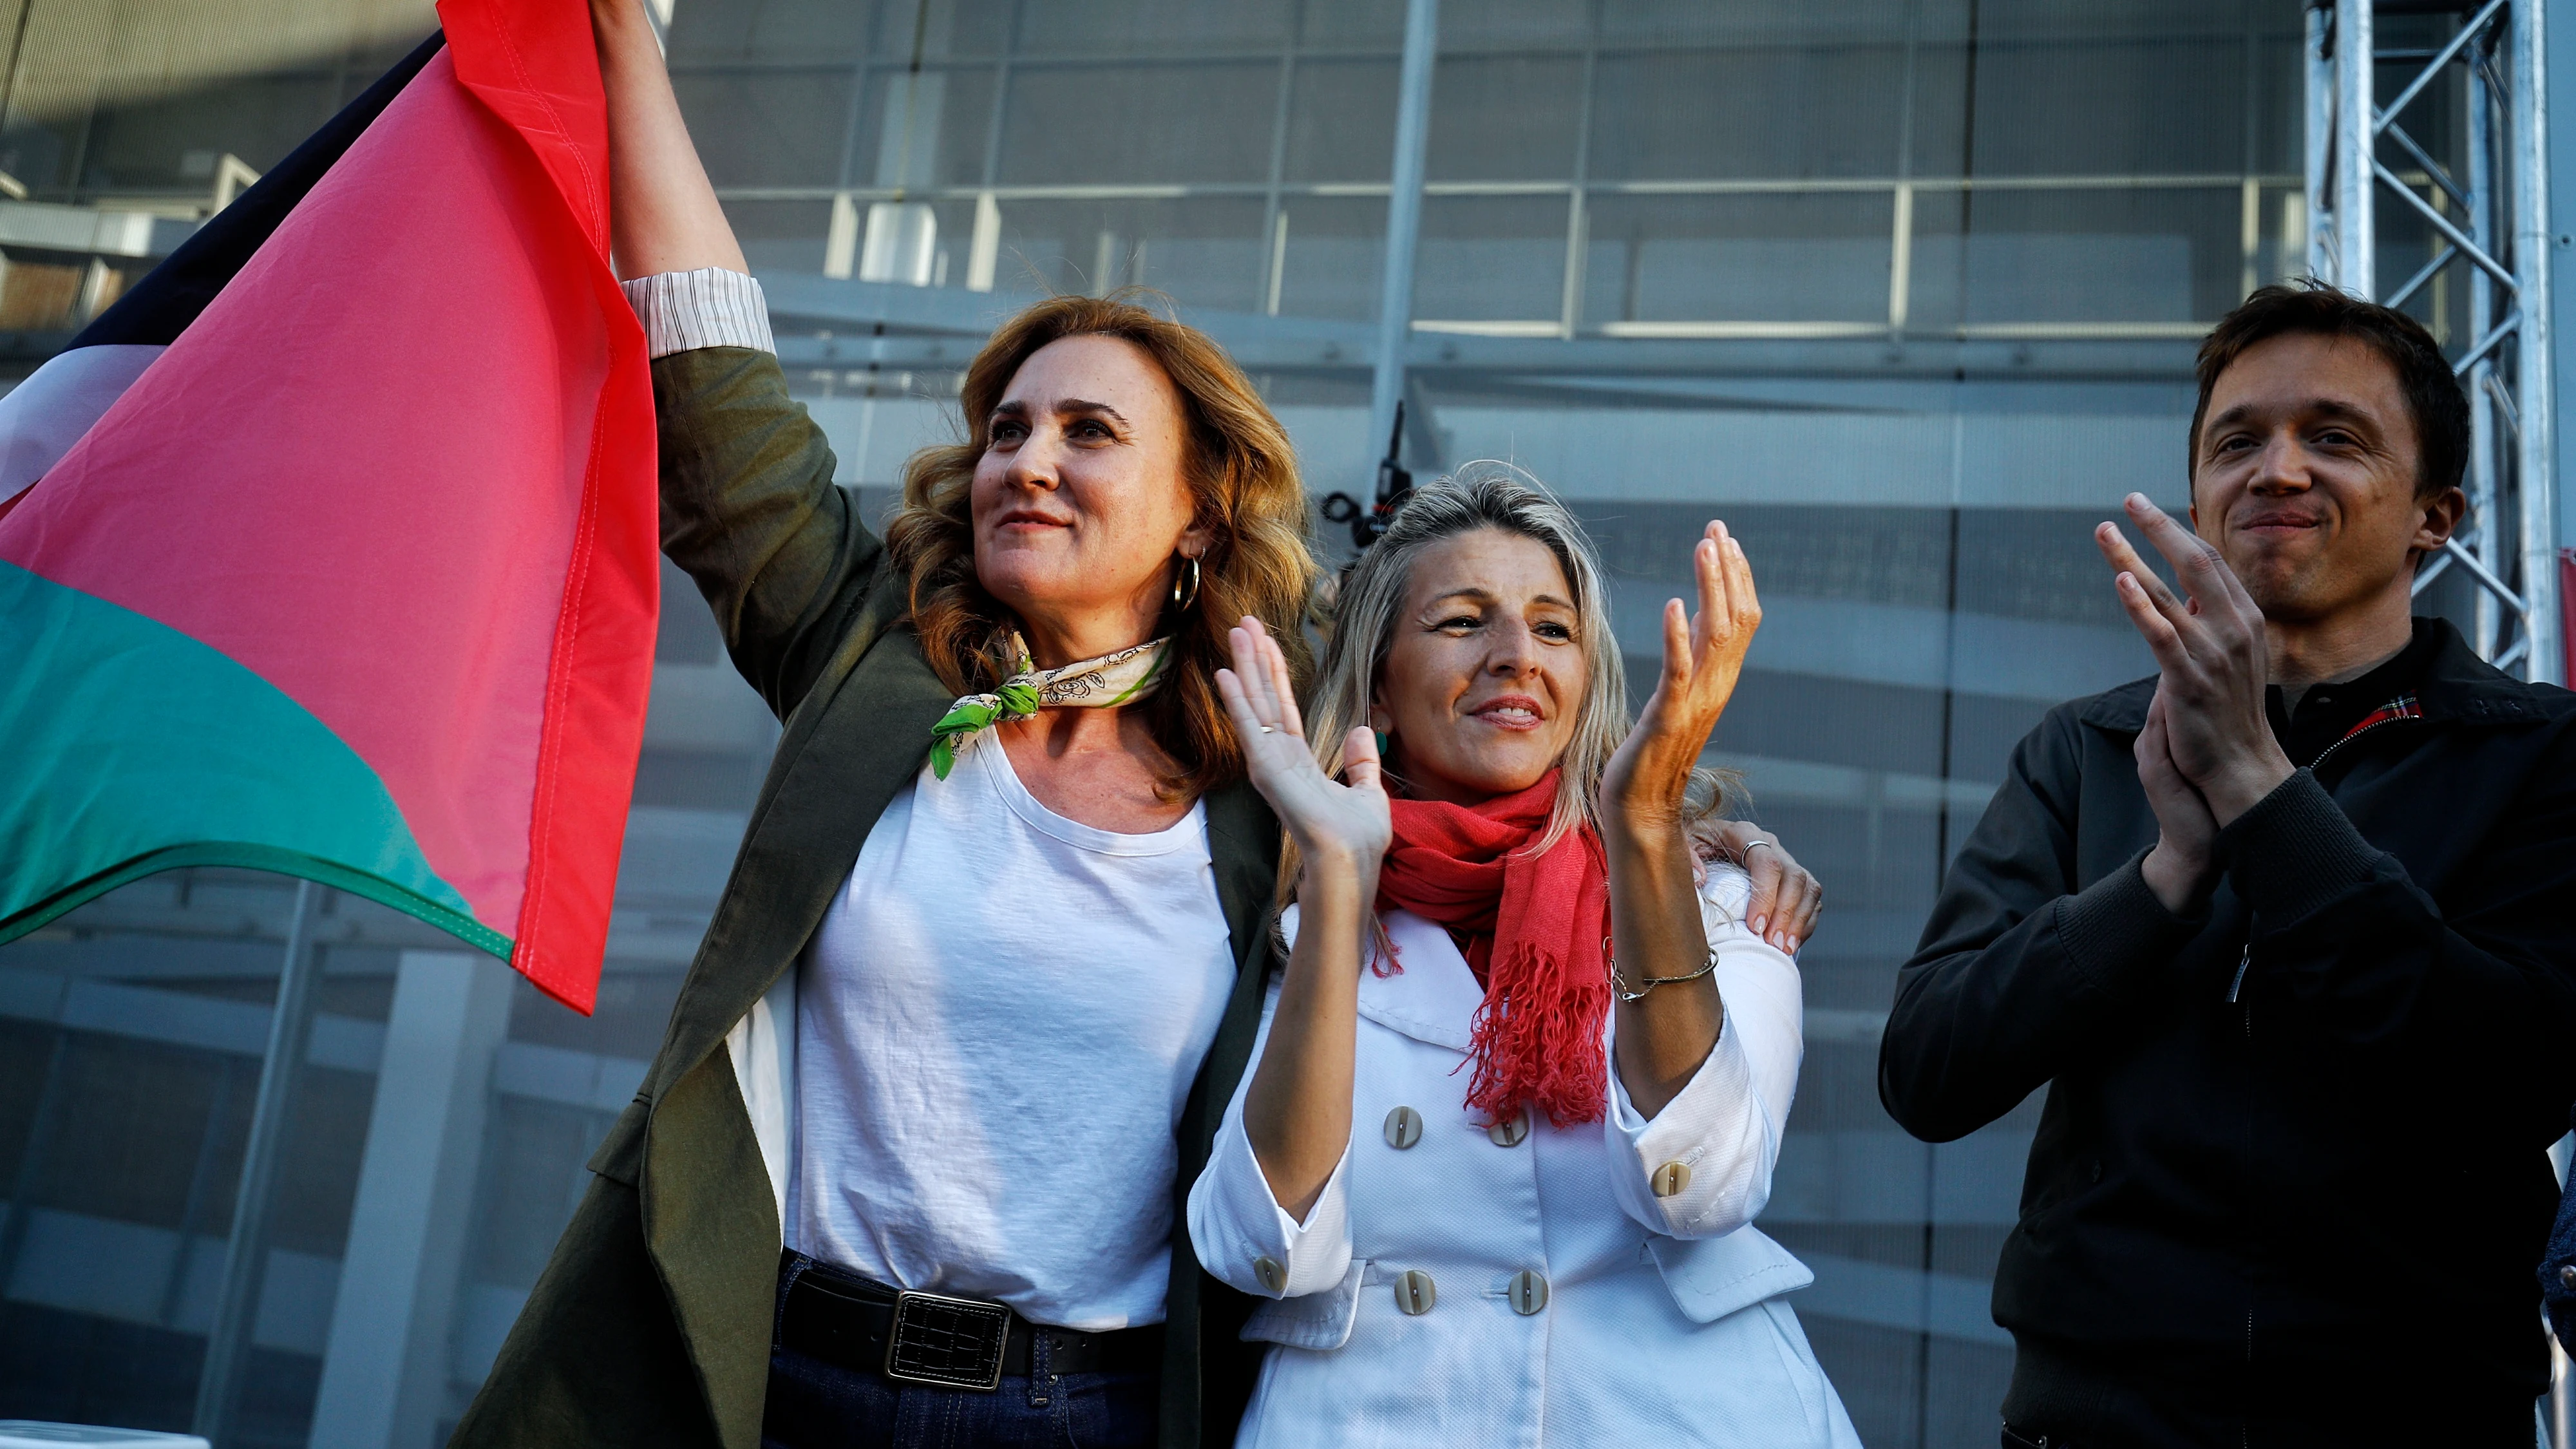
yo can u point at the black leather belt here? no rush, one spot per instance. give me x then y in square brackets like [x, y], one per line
[931, 1338]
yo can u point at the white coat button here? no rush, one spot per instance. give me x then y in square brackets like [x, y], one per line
[1403, 1128]
[1415, 1292]
[1670, 1179]
[1272, 1276]
[1528, 1292]
[1509, 1131]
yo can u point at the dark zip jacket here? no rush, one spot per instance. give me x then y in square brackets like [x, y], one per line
[2290, 1180]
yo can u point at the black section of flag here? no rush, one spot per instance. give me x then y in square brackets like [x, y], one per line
[158, 308]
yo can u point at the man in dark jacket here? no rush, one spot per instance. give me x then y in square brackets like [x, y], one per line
[2289, 933]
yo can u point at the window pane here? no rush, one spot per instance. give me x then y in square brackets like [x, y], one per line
[800, 31]
[1151, 27]
[2153, 106]
[924, 129]
[1745, 113]
[1341, 121]
[785, 235]
[1352, 24]
[1819, 256]
[1335, 256]
[773, 129]
[1813, 22]
[1204, 252]
[2129, 255]
[1504, 118]
[1491, 259]
[1076, 125]
[1514, 22]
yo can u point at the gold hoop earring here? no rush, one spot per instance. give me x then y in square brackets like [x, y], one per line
[1183, 598]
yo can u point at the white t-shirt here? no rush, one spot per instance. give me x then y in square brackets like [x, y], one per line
[996, 1028]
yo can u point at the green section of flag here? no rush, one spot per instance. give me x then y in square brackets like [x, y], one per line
[127, 747]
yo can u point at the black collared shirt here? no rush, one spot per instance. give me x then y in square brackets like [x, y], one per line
[2328, 712]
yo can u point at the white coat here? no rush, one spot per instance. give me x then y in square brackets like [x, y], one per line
[1661, 1320]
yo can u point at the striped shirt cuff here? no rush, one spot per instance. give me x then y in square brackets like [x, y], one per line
[710, 307]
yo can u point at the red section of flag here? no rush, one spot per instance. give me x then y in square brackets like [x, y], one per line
[402, 469]
[2567, 616]
[536, 65]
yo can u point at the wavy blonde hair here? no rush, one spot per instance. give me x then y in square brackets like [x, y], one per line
[1241, 471]
[1370, 601]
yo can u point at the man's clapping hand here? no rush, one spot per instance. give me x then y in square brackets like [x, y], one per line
[2207, 753]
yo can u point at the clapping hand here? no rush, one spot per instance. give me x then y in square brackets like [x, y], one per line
[2206, 753]
[1703, 657]
[1335, 824]
[2183, 866]
[2214, 662]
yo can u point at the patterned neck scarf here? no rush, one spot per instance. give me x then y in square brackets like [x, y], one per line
[1112, 679]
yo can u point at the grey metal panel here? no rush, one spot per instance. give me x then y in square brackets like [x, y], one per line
[84, 1263]
[1945, 1305]
[178, 1018]
[384, 1375]
[566, 1077]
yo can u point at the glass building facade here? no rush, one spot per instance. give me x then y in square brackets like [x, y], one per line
[1906, 291]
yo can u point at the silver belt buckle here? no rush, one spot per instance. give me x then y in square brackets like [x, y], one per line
[949, 1343]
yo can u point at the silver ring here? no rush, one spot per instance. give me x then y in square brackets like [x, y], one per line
[1757, 845]
[1270, 729]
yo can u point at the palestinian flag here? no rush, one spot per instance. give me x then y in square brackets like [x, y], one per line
[330, 549]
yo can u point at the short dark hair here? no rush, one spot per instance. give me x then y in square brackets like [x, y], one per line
[2432, 390]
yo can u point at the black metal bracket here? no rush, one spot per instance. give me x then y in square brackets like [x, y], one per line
[1394, 484]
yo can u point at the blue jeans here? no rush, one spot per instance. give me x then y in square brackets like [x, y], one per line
[817, 1405]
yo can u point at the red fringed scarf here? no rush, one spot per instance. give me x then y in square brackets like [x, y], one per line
[1532, 927]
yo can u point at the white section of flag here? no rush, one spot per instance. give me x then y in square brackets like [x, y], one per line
[42, 417]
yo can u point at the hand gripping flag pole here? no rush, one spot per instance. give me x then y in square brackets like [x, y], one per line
[330, 549]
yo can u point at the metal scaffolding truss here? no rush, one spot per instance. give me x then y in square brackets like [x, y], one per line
[2487, 214]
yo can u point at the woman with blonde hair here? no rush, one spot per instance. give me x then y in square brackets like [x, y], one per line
[1521, 1084]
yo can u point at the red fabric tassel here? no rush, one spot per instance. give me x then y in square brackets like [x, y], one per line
[1532, 928]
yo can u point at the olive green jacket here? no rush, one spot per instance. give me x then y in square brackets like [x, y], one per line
[651, 1324]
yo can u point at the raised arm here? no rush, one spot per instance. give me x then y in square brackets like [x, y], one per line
[749, 507]
[663, 215]
[1665, 1031]
[1297, 1109]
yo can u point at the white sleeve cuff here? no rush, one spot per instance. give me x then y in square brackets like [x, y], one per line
[1702, 1166]
[710, 307]
[1237, 1226]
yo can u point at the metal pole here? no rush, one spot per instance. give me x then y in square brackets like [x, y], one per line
[2485, 220]
[2562, 1398]
[2356, 236]
[2535, 471]
[228, 1337]
[2320, 142]
[1404, 211]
